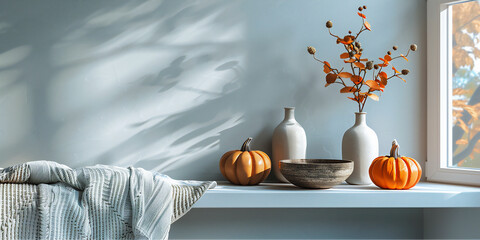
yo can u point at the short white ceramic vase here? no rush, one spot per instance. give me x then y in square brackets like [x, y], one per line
[360, 144]
[289, 142]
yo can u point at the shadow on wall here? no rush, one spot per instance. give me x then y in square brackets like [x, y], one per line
[142, 85]
[171, 85]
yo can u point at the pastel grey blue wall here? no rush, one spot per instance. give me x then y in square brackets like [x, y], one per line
[300, 223]
[461, 223]
[172, 85]
[371, 223]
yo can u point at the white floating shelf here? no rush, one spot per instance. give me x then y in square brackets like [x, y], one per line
[278, 195]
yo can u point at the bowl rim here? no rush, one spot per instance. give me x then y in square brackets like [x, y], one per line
[326, 161]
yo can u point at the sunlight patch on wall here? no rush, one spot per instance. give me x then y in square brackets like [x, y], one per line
[15, 119]
[16, 108]
[124, 13]
[8, 77]
[184, 145]
[14, 56]
[129, 96]
[201, 32]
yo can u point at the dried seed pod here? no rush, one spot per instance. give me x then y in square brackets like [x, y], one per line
[329, 24]
[358, 45]
[389, 53]
[361, 49]
[364, 7]
[369, 65]
[395, 48]
[413, 47]
[311, 50]
[349, 32]
[351, 54]
[360, 9]
[405, 71]
[376, 66]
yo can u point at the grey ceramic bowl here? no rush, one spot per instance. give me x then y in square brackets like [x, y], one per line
[316, 173]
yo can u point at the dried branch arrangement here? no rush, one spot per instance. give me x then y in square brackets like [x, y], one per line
[353, 79]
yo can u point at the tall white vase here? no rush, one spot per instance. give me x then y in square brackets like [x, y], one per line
[360, 144]
[289, 142]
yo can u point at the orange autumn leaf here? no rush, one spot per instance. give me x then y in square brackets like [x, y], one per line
[331, 78]
[374, 85]
[385, 61]
[400, 78]
[459, 103]
[361, 15]
[358, 98]
[367, 26]
[373, 96]
[380, 84]
[358, 55]
[356, 79]
[383, 64]
[371, 84]
[354, 99]
[394, 69]
[462, 91]
[401, 55]
[326, 67]
[461, 142]
[364, 59]
[344, 55]
[327, 84]
[383, 82]
[472, 111]
[346, 40]
[348, 90]
[383, 78]
[462, 125]
[360, 65]
[345, 75]
[351, 60]
[387, 58]
[361, 97]
[383, 75]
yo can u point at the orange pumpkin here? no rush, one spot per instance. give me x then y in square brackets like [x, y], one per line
[394, 171]
[245, 167]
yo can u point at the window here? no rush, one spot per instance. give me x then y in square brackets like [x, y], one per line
[453, 153]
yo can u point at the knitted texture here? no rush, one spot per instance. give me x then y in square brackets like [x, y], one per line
[47, 200]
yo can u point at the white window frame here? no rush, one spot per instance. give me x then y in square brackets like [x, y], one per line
[438, 108]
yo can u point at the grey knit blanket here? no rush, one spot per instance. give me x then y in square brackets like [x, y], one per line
[47, 200]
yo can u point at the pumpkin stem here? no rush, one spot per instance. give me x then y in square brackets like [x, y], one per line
[394, 150]
[246, 145]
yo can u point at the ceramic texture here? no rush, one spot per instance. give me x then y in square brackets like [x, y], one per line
[289, 142]
[316, 173]
[360, 144]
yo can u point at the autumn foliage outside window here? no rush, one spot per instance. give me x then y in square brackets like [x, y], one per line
[465, 63]
[362, 78]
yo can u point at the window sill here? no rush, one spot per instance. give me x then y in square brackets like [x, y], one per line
[278, 195]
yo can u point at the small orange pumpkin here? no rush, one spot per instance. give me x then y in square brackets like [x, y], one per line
[394, 171]
[245, 167]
